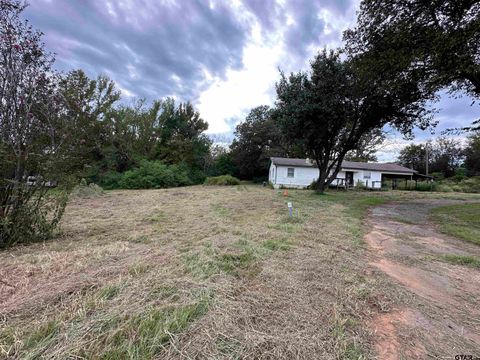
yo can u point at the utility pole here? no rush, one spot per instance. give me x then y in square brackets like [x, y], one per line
[426, 158]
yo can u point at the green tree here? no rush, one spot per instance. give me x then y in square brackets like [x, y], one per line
[367, 147]
[331, 109]
[30, 141]
[88, 104]
[256, 140]
[436, 43]
[472, 155]
[445, 156]
[413, 156]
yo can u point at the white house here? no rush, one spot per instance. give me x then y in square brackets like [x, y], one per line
[299, 173]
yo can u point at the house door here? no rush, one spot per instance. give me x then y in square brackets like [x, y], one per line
[349, 178]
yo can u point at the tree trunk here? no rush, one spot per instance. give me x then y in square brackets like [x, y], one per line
[321, 183]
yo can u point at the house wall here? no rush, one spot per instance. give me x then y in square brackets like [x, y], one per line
[373, 182]
[271, 173]
[304, 176]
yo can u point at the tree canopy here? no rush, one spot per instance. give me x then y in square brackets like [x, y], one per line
[435, 43]
[333, 107]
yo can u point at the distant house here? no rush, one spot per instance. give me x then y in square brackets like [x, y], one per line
[299, 173]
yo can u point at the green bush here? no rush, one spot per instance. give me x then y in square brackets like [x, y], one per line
[467, 185]
[83, 190]
[29, 213]
[222, 180]
[426, 186]
[444, 188]
[155, 175]
[111, 180]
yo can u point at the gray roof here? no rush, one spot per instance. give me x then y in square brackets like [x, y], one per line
[353, 165]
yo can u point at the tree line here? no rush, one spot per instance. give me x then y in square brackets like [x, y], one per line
[444, 157]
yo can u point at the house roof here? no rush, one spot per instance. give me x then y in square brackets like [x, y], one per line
[353, 165]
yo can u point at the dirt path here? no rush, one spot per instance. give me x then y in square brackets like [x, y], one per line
[437, 312]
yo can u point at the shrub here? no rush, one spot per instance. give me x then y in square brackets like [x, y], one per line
[468, 185]
[28, 213]
[83, 190]
[155, 175]
[259, 179]
[444, 188]
[426, 186]
[111, 180]
[222, 180]
[360, 185]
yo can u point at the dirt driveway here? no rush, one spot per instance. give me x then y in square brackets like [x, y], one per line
[437, 311]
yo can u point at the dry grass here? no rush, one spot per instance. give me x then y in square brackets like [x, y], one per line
[207, 272]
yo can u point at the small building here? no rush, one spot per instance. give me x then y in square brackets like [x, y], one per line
[300, 173]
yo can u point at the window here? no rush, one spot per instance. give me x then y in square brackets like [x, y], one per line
[367, 174]
[290, 172]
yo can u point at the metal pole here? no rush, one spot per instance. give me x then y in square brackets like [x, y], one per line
[426, 158]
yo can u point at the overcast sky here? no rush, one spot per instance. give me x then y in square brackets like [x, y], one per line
[222, 56]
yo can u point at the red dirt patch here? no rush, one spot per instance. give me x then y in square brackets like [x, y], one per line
[439, 317]
[389, 345]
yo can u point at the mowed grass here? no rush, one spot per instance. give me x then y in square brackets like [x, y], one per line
[209, 272]
[460, 221]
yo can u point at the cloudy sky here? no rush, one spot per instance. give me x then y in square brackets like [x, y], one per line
[222, 56]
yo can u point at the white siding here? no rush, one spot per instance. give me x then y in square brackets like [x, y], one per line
[304, 176]
[375, 180]
[271, 173]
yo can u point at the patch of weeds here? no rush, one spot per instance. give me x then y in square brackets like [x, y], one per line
[228, 346]
[213, 262]
[219, 210]
[200, 267]
[293, 220]
[353, 351]
[363, 291]
[164, 292]
[347, 348]
[41, 338]
[232, 262]
[285, 227]
[144, 335]
[466, 260]
[158, 216]
[109, 292]
[7, 340]
[277, 244]
[141, 239]
[138, 269]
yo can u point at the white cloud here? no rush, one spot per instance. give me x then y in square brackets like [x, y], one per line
[242, 89]
[228, 100]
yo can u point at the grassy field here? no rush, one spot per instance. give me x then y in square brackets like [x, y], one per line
[209, 272]
[461, 221]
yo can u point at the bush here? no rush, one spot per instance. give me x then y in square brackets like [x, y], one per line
[467, 185]
[155, 175]
[28, 213]
[426, 186]
[111, 180]
[222, 180]
[87, 191]
[259, 179]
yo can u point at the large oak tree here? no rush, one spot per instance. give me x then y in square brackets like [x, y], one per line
[436, 43]
[334, 106]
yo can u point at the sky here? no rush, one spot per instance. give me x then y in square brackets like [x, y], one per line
[223, 56]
